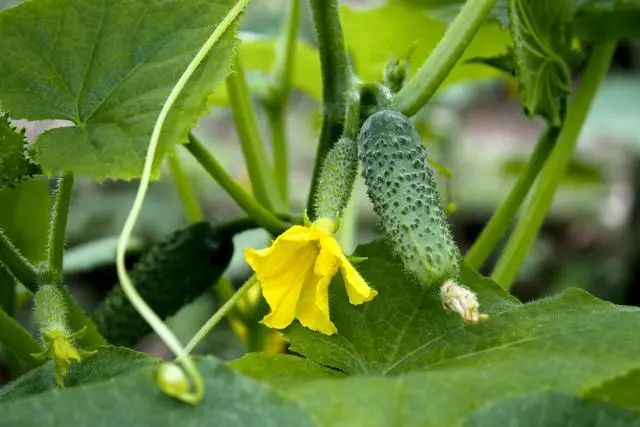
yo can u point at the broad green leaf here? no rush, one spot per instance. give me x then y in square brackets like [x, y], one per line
[15, 165]
[539, 31]
[107, 67]
[413, 364]
[553, 409]
[134, 400]
[282, 370]
[388, 335]
[107, 363]
[606, 20]
[623, 391]
[376, 35]
[448, 9]
[258, 55]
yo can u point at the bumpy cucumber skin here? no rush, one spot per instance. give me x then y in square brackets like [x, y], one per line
[401, 187]
[336, 179]
[171, 274]
[50, 309]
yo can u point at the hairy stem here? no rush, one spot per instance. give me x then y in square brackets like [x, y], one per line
[417, 92]
[336, 80]
[17, 264]
[255, 210]
[218, 315]
[17, 340]
[505, 214]
[58, 224]
[551, 174]
[260, 171]
[185, 190]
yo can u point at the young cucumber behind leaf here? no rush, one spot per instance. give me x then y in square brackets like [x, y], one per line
[401, 187]
[171, 274]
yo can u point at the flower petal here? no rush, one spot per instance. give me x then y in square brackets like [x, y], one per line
[327, 263]
[296, 233]
[313, 306]
[357, 289]
[282, 291]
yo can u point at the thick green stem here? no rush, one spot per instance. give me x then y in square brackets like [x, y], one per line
[527, 228]
[260, 171]
[255, 210]
[17, 264]
[417, 92]
[504, 215]
[277, 128]
[278, 97]
[285, 56]
[17, 340]
[336, 80]
[58, 224]
[185, 190]
[218, 315]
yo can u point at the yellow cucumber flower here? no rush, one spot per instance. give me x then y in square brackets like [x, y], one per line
[295, 273]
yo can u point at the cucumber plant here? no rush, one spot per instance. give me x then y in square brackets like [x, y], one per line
[371, 345]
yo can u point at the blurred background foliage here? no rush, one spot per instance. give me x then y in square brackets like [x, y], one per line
[475, 129]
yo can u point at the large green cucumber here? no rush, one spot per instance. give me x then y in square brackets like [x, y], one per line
[401, 187]
[171, 274]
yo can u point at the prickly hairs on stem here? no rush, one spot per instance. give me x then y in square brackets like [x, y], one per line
[401, 187]
[336, 179]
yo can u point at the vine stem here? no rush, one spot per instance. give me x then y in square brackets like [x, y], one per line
[552, 172]
[278, 131]
[58, 224]
[17, 340]
[417, 92]
[17, 264]
[278, 96]
[185, 190]
[504, 215]
[260, 171]
[218, 315]
[163, 331]
[255, 210]
[337, 78]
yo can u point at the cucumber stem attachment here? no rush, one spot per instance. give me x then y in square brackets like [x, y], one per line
[337, 78]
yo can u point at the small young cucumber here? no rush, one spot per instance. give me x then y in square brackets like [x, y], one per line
[401, 187]
[173, 273]
[336, 179]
